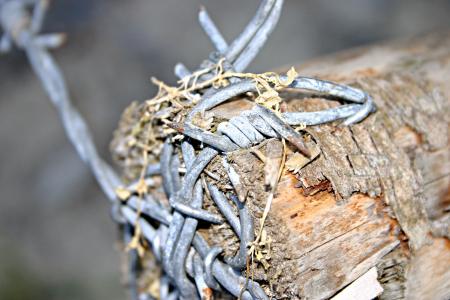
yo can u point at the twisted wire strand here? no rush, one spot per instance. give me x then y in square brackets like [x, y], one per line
[188, 262]
[13, 15]
[212, 31]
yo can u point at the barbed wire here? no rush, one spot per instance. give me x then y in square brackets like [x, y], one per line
[191, 267]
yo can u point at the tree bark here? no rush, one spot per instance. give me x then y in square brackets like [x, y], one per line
[378, 195]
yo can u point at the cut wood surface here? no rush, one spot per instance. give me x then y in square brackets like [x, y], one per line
[378, 193]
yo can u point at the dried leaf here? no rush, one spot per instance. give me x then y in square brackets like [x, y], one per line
[153, 288]
[265, 264]
[204, 123]
[141, 187]
[137, 128]
[291, 75]
[263, 237]
[135, 242]
[122, 193]
[269, 99]
[259, 255]
[300, 127]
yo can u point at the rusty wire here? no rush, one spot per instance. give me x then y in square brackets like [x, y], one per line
[190, 265]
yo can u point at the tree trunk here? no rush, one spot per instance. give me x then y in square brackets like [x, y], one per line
[378, 195]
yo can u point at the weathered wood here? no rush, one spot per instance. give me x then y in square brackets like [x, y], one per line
[331, 244]
[428, 275]
[388, 205]
[390, 178]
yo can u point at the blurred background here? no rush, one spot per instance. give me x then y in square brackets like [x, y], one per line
[57, 240]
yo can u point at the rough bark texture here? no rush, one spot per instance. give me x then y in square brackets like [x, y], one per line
[390, 176]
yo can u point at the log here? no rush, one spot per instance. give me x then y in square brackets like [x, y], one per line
[379, 193]
[376, 198]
